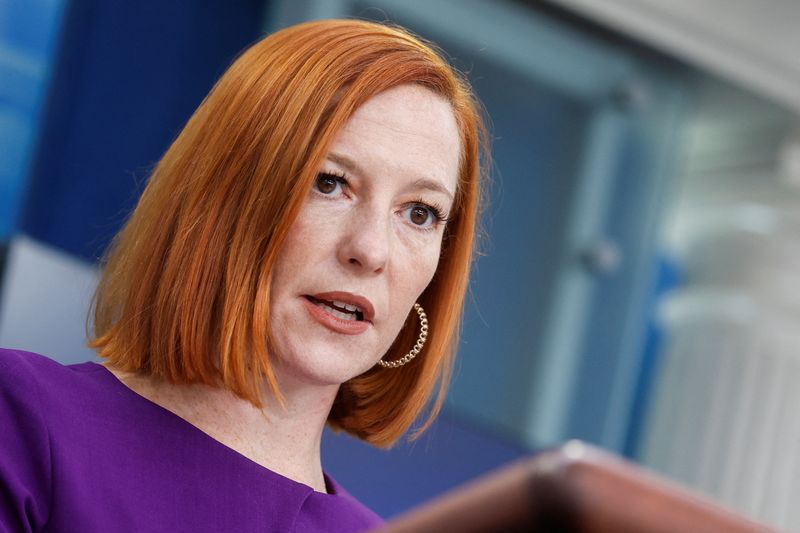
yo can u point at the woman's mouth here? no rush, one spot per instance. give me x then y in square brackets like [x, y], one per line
[339, 309]
[341, 312]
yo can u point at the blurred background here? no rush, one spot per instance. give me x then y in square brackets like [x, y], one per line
[638, 285]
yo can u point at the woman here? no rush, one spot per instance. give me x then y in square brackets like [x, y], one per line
[279, 273]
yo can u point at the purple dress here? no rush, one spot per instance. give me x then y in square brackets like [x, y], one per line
[79, 451]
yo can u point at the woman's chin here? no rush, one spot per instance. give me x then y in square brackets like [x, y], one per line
[325, 371]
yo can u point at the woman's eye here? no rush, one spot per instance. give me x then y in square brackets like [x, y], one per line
[424, 216]
[419, 215]
[328, 184]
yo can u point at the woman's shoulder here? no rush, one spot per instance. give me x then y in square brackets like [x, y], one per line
[57, 397]
[30, 377]
[25, 452]
[22, 363]
[23, 373]
[62, 426]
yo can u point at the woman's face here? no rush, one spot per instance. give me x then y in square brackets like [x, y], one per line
[367, 241]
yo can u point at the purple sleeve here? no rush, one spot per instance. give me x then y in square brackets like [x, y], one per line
[24, 448]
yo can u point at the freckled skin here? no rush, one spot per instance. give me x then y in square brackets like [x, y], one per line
[365, 237]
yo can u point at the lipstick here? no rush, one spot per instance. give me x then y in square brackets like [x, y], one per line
[341, 312]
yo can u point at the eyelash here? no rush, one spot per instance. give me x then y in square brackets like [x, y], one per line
[436, 211]
[341, 179]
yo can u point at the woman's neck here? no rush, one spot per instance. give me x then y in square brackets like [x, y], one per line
[285, 439]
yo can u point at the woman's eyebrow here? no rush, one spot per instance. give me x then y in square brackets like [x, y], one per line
[432, 185]
[345, 161]
[422, 183]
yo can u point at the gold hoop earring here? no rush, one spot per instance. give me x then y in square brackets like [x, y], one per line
[423, 336]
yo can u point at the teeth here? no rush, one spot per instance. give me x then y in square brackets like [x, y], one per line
[336, 312]
[344, 305]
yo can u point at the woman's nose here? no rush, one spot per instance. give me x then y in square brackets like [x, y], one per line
[367, 243]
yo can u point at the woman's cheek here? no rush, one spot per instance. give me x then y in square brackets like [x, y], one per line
[422, 260]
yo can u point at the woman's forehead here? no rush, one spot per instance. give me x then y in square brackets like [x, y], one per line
[407, 128]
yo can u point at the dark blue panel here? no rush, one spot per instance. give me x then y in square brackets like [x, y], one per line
[450, 454]
[127, 77]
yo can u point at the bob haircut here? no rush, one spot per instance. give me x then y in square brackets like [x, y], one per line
[185, 290]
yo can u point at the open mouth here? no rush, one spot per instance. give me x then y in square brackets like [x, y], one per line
[339, 309]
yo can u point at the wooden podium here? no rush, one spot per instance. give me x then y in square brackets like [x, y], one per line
[575, 488]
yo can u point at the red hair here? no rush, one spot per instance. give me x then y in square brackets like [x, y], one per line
[184, 293]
